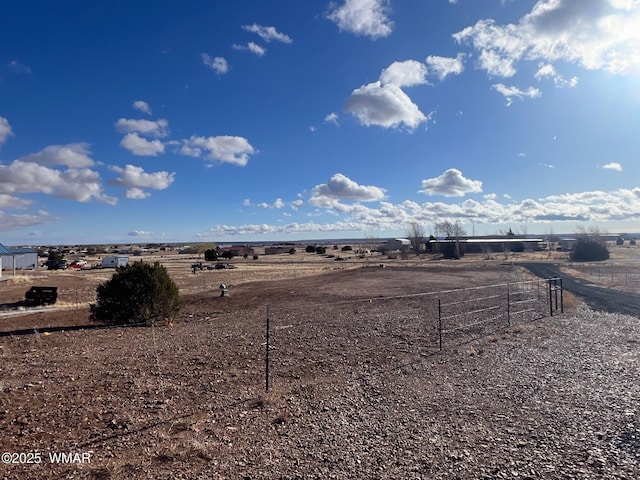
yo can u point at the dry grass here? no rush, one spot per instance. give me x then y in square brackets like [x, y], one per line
[20, 279]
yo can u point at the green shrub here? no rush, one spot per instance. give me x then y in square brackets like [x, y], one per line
[310, 249]
[210, 255]
[55, 255]
[321, 250]
[137, 293]
[589, 250]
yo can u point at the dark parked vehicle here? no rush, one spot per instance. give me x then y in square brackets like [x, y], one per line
[56, 264]
[41, 296]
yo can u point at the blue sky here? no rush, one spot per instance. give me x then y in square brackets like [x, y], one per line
[183, 121]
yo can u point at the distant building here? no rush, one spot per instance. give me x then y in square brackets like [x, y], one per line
[114, 261]
[491, 243]
[18, 258]
[274, 250]
[235, 250]
[398, 244]
[568, 243]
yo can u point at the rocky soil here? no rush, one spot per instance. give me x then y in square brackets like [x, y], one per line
[358, 389]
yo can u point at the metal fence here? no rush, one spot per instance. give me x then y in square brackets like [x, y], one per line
[625, 276]
[368, 330]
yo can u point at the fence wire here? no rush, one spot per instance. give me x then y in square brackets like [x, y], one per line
[384, 332]
[620, 275]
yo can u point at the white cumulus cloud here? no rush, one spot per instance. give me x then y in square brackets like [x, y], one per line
[5, 130]
[80, 184]
[9, 201]
[136, 193]
[12, 221]
[613, 166]
[141, 146]
[74, 155]
[596, 34]
[218, 64]
[142, 106]
[384, 105]
[135, 179]
[225, 148]
[404, 74]
[341, 187]
[368, 18]
[442, 67]
[155, 128]
[277, 204]
[451, 184]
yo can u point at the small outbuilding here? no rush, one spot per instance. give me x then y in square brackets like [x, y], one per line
[398, 244]
[277, 249]
[235, 250]
[18, 258]
[115, 261]
[568, 243]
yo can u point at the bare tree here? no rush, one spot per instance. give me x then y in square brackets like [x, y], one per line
[522, 230]
[591, 244]
[591, 231]
[416, 235]
[452, 231]
[552, 239]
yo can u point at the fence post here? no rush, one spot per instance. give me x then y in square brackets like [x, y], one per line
[561, 297]
[508, 305]
[550, 298]
[266, 362]
[439, 324]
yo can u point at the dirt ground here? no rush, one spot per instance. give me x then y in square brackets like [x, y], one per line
[76, 288]
[358, 388]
